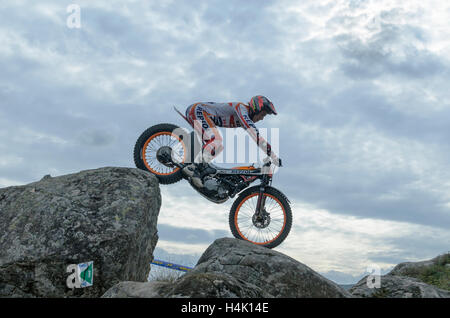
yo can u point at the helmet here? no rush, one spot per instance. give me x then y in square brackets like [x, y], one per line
[259, 103]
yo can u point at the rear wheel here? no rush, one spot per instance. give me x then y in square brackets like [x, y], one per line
[157, 147]
[269, 229]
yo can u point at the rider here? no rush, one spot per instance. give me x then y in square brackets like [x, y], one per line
[204, 117]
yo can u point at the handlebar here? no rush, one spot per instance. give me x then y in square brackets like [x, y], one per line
[268, 161]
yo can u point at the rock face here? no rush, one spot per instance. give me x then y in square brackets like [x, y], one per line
[403, 282]
[106, 215]
[236, 268]
[412, 268]
[393, 286]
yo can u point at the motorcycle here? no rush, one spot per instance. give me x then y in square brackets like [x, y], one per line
[261, 214]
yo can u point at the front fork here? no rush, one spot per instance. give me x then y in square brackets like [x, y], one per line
[261, 203]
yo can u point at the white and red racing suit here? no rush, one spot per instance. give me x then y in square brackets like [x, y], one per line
[229, 115]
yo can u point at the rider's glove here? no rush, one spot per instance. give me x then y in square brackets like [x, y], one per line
[276, 161]
[269, 149]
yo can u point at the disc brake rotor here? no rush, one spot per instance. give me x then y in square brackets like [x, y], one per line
[261, 222]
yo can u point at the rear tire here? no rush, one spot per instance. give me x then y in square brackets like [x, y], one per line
[154, 138]
[243, 227]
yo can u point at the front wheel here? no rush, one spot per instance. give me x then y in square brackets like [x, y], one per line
[269, 229]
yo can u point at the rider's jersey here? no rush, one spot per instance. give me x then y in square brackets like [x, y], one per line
[229, 115]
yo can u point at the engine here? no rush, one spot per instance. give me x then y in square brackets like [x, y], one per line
[215, 188]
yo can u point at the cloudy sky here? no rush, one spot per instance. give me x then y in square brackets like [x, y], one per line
[360, 87]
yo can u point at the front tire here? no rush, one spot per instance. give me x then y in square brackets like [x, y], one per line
[274, 230]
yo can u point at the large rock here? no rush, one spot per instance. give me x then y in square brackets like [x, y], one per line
[190, 285]
[393, 286]
[106, 215]
[404, 281]
[236, 268]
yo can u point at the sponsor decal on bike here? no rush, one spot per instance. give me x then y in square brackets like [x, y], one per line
[252, 172]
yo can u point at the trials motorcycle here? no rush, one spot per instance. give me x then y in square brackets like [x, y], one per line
[261, 214]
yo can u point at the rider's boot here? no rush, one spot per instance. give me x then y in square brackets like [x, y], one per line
[188, 171]
[197, 171]
[197, 177]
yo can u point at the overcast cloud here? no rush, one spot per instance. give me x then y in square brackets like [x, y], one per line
[361, 88]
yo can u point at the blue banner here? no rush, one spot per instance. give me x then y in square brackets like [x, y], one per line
[171, 265]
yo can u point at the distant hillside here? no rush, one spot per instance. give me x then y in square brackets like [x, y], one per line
[346, 286]
[435, 272]
[425, 279]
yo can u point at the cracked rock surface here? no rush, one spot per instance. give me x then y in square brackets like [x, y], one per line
[235, 268]
[107, 215]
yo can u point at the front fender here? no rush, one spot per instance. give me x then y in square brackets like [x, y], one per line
[273, 188]
[281, 193]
